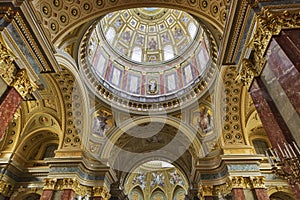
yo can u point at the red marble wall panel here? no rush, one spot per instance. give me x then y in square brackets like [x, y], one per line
[9, 103]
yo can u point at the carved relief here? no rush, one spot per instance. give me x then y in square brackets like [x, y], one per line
[101, 191]
[7, 66]
[268, 23]
[23, 84]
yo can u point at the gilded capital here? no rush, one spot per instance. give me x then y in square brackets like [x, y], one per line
[258, 181]
[49, 183]
[247, 72]
[7, 66]
[69, 183]
[236, 182]
[23, 84]
[269, 23]
[6, 188]
[101, 191]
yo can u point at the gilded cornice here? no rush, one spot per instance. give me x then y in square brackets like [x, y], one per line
[6, 188]
[268, 23]
[101, 191]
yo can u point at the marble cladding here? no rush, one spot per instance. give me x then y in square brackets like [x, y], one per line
[9, 103]
[261, 194]
[274, 126]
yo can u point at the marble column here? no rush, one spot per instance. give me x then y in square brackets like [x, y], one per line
[47, 195]
[289, 42]
[261, 194]
[238, 194]
[68, 194]
[286, 71]
[9, 103]
[274, 125]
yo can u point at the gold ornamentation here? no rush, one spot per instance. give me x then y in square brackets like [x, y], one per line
[258, 181]
[23, 84]
[236, 182]
[7, 66]
[101, 191]
[248, 71]
[268, 23]
[205, 190]
[49, 183]
[6, 188]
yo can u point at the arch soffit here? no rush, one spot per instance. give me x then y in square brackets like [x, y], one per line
[115, 134]
[72, 16]
[42, 122]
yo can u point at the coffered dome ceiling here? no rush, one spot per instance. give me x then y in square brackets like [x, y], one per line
[147, 58]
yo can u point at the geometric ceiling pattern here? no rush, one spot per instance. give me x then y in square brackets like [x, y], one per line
[149, 35]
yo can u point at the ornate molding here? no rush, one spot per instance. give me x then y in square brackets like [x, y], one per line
[7, 66]
[101, 191]
[258, 181]
[205, 190]
[268, 23]
[50, 183]
[236, 182]
[248, 71]
[6, 189]
[23, 84]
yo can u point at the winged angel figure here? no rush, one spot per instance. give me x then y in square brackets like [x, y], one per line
[100, 125]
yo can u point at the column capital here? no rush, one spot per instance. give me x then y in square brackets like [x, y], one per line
[205, 190]
[6, 188]
[50, 183]
[268, 23]
[235, 182]
[258, 182]
[23, 84]
[101, 191]
[7, 66]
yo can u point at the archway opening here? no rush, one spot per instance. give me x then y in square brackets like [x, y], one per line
[156, 179]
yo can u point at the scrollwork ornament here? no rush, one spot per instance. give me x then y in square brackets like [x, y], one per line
[7, 66]
[23, 84]
[101, 191]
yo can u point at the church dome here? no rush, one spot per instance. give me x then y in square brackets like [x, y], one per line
[148, 58]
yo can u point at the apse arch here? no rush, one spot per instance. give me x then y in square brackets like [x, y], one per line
[194, 144]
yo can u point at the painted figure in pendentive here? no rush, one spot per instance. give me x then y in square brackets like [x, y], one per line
[100, 125]
[205, 122]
